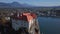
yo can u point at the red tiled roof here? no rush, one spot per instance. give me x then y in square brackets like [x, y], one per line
[26, 16]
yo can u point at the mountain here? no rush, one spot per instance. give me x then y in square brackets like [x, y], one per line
[19, 5]
[13, 5]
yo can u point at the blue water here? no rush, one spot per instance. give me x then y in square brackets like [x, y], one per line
[49, 25]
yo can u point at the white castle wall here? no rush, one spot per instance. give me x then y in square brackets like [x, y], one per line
[16, 24]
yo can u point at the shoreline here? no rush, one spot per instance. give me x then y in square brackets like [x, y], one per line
[50, 16]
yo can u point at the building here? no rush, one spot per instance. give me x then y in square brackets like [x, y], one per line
[26, 21]
[57, 12]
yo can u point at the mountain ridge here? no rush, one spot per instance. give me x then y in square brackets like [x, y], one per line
[19, 5]
[13, 5]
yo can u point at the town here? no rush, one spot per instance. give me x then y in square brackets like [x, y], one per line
[46, 12]
[12, 18]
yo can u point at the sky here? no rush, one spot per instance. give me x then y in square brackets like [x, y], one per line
[35, 2]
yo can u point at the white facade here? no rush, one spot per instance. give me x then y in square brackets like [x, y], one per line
[31, 25]
[7, 18]
[16, 24]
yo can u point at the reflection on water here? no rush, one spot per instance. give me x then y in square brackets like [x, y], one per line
[49, 25]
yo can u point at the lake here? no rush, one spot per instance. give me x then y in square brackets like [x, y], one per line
[49, 25]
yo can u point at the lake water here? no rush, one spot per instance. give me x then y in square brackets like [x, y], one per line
[49, 25]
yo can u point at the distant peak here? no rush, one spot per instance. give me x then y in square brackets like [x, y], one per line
[15, 2]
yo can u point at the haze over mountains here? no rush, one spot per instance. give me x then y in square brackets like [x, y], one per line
[13, 5]
[17, 5]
